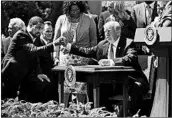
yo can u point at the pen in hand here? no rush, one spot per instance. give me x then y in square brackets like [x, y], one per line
[95, 60]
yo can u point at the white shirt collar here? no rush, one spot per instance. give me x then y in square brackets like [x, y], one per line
[116, 42]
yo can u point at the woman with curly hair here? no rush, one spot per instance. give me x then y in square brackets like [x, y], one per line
[77, 27]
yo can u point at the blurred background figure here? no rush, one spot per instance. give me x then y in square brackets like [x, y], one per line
[15, 24]
[121, 15]
[144, 13]
[102, 19]
[2, 46]
[166, 20]
[160, 11]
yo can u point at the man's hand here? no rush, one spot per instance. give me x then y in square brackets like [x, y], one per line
[56, 61]
[146, 50]
[64, 50]
[60, 41]
[117, 60]
[106, 62]
[43, 77]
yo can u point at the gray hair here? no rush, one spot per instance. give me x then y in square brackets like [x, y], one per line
[113, 24]
[18, 23]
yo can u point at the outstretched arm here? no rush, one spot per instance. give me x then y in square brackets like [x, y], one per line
[81, 51]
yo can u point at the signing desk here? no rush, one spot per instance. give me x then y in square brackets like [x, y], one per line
[95, 74]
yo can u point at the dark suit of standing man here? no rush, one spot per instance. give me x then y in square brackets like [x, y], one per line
[102, 19]
[124, 53]
[21, 64]
[140, 13]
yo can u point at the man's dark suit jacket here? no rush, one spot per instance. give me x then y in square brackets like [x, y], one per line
[101, 22]
[126, 50]
[21, 58]
[139, 14]
[46, 60]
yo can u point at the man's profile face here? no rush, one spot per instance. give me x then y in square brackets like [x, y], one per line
[12, 29]
[47, 32]
[47, 12]
[36, 29]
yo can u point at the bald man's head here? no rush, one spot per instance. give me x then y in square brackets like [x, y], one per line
[112, 31]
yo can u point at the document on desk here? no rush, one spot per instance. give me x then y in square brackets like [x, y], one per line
[99, 67]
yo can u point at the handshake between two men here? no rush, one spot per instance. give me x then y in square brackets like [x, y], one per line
[60, 41]
[90, 52]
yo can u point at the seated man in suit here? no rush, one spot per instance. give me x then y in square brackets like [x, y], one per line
[46, 60]
[14, 25]
[21, 68]
[117, 50]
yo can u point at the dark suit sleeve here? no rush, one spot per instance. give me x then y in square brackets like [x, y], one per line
[100, 27]
[130, 57]
[37, 51]
[129, 28]
[85, 52]
[31, 48]
[38, 67]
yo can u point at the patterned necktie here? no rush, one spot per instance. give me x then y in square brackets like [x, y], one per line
[148, 14]
[111, 52]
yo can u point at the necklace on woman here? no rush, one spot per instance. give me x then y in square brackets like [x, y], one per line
[75, 20]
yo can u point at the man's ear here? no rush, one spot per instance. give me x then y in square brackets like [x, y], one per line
[118, 32]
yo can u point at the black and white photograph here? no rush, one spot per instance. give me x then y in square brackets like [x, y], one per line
[86, 58]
